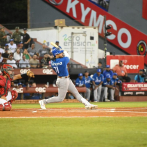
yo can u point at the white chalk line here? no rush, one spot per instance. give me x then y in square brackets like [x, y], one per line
[67, 116]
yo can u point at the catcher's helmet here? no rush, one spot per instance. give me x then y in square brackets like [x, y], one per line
[5, 68]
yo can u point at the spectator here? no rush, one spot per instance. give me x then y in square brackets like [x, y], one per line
[45, 60]
[97, 81]
[34, 62]
[57, 43]
[35, 95]
[44, 50]
[11, 62]
[20, 46]
[3, 37]
[16, 36]
[24, 63]
[121, 72]
[1, 50]
[17, 55]
[108, 71]
[108, 84]
[26, 95]
[6, 46]
[27, 55]
[140, 76]
[26, 39]
[12, 46]
[100, 67]
[1, 58]
[88, 81]
[6, 54]
[32, 51]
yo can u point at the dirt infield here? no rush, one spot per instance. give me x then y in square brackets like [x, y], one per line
[74, 112]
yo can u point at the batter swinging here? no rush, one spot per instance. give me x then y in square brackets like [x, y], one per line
[63, 82]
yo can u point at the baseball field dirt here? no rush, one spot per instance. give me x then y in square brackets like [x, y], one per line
[75, 112]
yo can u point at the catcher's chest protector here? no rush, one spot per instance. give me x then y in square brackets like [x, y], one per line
[4, 90]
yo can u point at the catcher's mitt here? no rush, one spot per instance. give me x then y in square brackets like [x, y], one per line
[30, 74]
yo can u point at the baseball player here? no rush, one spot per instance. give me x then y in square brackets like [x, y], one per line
[97, 81]
[108, 71]
[80, 82]
[6, 96]
[88, 81]
[64, 83]
[108, 83]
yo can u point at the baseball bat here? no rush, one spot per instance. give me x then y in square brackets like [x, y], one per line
[53, 44]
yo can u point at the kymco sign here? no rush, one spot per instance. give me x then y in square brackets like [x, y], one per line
[123, 35]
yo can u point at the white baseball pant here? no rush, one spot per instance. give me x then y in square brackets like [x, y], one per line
[64, 85]
[97, 93]
[87, 94]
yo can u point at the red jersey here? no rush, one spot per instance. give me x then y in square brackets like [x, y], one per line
[5, 85]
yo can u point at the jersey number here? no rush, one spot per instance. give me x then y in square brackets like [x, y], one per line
[56, 69]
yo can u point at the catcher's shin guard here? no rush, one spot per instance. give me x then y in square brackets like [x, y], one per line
[7, 106]
[1, 107]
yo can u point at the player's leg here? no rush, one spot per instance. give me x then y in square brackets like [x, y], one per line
[76, 94]
[87, 94]
[62, 90]
[4, 105]
[99, 90]
[105, 94]
[95, 94]
[112, 91]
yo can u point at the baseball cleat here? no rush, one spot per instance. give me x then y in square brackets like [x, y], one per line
[107, 100]
[91, 107]
[42, 105]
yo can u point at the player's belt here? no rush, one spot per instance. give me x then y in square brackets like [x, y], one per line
[63, 77]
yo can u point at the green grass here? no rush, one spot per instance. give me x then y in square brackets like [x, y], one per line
[79, 105]
[74, 132]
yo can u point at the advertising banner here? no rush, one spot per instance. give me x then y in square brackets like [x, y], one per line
[124, 36]
[132, 63]
[134, 87]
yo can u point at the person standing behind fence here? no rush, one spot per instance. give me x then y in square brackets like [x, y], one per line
[16, 36]
[88, 81]
[121, 72]
[97, 81]
[3, 37]
[26, 39]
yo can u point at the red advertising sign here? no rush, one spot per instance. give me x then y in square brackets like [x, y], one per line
[132, 63]
[123, 35]
[134, 86]
[144, 9]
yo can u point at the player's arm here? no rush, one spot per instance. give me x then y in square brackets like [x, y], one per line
[20, 76]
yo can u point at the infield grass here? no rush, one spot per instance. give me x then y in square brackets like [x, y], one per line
[80, 105]
[74, 132]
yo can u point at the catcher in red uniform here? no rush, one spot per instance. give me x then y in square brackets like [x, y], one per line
[7, 96]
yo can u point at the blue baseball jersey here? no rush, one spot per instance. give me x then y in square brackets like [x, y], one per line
[139, 79]
[59, 65]
[108, 83]
[116, 81]
[80, 82]
[97, 79]
[105, 73]
[88, 81]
